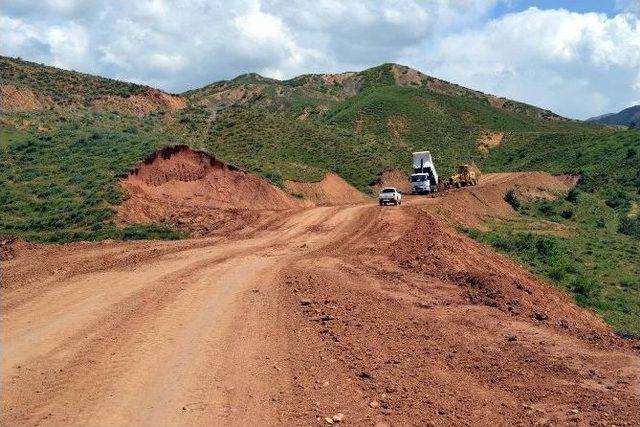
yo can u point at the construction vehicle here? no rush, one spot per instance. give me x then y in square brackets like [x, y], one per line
[468, 174]
[424, 179]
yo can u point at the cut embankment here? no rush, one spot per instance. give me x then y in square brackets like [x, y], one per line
[332, 190]
[192, 189]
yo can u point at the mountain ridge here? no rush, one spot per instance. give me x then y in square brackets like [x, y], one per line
[627, 117]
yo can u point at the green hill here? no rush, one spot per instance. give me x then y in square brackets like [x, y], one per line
[629, 117]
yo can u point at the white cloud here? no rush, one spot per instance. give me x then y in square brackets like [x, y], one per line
[629, 6]
[576, 64]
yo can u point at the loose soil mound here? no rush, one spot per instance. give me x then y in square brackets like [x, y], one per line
[393, 178]
[332, 190]
[488, 141]
[415, 324]
[181, 185]
[13, 99]
[144, 103]
[470, 206]
[11, 246]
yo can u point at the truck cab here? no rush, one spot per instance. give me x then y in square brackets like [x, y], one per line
[424, 179]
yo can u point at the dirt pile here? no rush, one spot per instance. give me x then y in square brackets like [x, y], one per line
[470, 206]
[12, 246]
[393, 178]
[487, 278]
[332, 190]
[184, 186]
[14, 99]
[488, 141]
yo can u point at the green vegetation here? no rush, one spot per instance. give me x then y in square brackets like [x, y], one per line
[63, 87]
[588, 241]
[586, 254]
[62, 185]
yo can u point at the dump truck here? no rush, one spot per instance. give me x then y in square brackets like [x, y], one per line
[424, 179]
[467, 174]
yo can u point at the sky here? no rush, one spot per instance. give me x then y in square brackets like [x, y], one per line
[578, 58]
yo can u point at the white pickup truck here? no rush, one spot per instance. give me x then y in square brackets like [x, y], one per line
[389, 195]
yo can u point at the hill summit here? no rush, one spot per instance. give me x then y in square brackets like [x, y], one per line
[628, 117]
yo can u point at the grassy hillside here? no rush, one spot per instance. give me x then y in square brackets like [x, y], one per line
[355, 124]
[597, 257]
[61, 184]
[63, 87]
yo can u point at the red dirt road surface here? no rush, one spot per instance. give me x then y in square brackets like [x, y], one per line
[347, 315]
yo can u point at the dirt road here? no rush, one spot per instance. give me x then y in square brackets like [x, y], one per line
[382, 315]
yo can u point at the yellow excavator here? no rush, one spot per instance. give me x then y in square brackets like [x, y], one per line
[468, 174]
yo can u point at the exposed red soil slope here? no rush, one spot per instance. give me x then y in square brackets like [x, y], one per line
[332, 190]
[13, 99]
[143, 103]
[184, 186]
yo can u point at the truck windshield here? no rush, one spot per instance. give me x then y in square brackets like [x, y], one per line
[388, 190]
[418, 178]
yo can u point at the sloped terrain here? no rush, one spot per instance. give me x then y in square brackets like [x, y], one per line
[473, 205]
[331, 190]
[28, 86]
[195, 192]
[359, 313]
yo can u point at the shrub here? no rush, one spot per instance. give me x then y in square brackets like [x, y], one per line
[572, 195]
[512, 198]
[566, 214]
[616, 199]
[587, 288]
[630, 226]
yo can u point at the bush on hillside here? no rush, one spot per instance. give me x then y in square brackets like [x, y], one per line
[630, 226]
[617, 198]
[572, 195]
[512, 198]
[566, 214]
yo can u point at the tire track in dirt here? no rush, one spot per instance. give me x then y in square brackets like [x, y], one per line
[101, 348]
